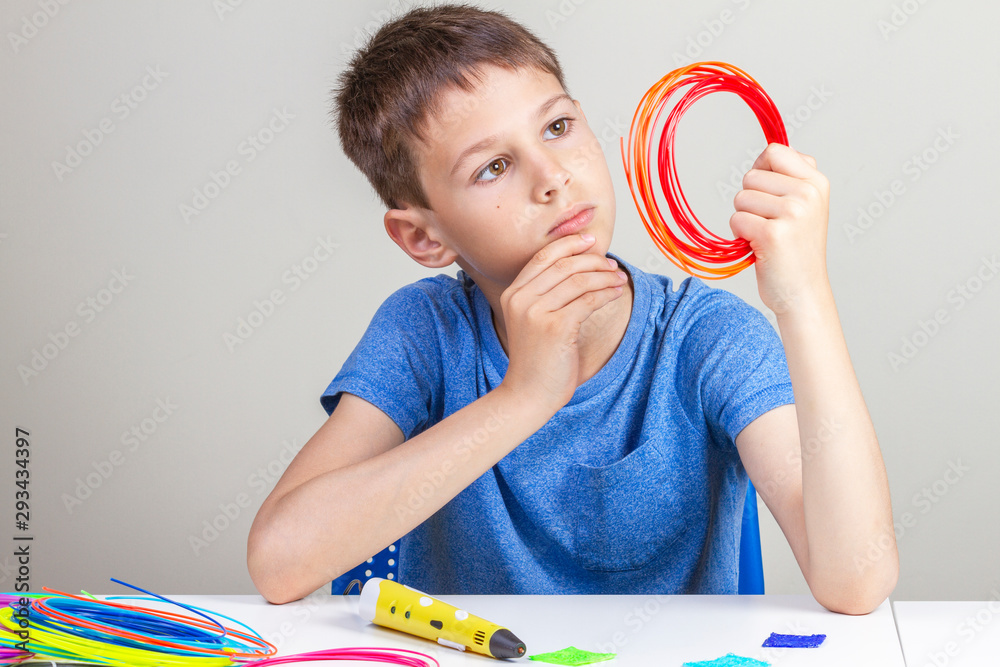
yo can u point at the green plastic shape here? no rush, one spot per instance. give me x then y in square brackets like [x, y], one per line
[572, 656]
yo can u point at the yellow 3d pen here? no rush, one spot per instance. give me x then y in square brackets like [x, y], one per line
[393, 605]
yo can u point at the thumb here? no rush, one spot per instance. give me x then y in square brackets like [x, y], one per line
[746, 225]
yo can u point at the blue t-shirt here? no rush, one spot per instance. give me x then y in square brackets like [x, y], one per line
[634, 487]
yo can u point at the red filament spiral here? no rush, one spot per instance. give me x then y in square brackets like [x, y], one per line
[692, 247]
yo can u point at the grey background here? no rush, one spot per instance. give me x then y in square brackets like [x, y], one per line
[863, 99]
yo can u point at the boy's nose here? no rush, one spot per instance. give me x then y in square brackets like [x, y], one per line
[553, 176]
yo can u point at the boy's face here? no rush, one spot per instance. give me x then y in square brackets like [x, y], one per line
[502, 166]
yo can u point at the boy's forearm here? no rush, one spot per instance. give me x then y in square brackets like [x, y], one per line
[845, 491]
[338, 519]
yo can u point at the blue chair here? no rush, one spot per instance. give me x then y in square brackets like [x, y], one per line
[385, 564]
[751, 581]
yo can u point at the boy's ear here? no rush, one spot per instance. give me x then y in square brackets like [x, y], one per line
[413, 230]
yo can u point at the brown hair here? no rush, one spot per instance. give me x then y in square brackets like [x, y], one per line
[391, 85]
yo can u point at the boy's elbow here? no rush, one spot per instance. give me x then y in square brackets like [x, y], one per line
[860, 594]
[274, 593]
[270, 587]
[263, 563]
[278, 596]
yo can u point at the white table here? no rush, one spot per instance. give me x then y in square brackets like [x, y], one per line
[642, 630]
[956, 634]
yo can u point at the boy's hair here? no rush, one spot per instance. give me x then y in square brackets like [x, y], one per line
[392, 86]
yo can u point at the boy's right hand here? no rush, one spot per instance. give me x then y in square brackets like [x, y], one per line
[544, 309]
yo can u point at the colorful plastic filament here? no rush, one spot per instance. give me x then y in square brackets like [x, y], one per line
[73, 628]
[80, 628]
[693, 247]
[384, 656]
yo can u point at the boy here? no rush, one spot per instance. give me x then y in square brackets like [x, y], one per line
[554, 420]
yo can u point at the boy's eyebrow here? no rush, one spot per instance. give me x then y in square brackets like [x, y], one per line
[492, 139]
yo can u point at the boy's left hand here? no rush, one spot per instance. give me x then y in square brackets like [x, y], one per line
[783, 211]
[833, 501]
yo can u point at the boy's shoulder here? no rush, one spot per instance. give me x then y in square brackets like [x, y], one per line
[447, 304]
[441, 290]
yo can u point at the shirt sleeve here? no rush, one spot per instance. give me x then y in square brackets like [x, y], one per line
[734, 360]
[396, 366]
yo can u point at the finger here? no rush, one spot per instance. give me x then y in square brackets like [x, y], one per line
[577, 285]
[566, 246]
[585, 305]
[567, 279]
[747, 226]
[564, 267]
[761, 204]
[770, 182]
[783, 160]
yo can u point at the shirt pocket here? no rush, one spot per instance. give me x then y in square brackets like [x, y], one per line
[628, 512]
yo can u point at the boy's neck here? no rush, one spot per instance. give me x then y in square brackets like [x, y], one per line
[600, 334]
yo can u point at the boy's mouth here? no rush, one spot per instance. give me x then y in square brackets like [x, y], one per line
[573, 220]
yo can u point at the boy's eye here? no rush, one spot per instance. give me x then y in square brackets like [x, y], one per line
[557, 128]
[493, 170]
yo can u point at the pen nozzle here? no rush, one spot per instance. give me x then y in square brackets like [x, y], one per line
[503, 644]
